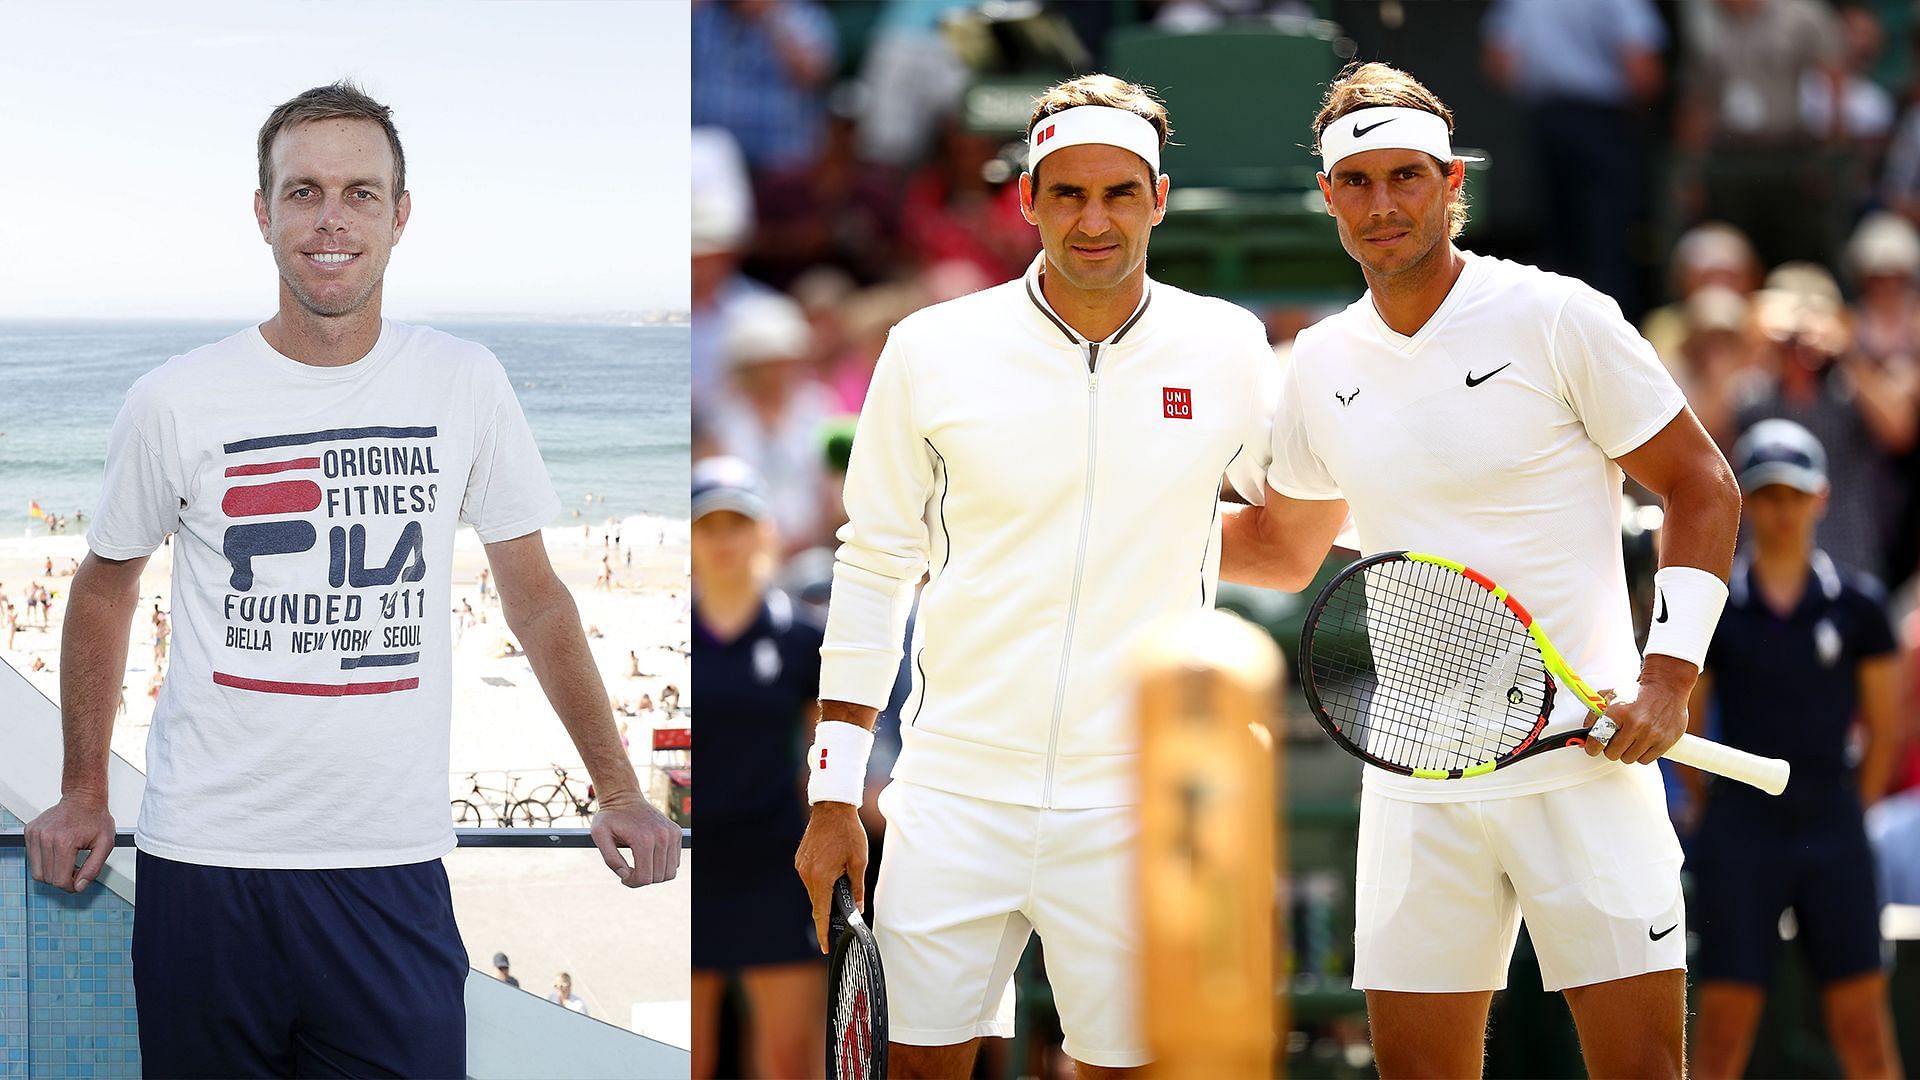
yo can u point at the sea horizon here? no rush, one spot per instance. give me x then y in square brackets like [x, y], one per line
[607, 403]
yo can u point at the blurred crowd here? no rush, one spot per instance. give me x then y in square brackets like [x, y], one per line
[1741, 176]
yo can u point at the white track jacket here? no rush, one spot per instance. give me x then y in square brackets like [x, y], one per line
[1063, 494]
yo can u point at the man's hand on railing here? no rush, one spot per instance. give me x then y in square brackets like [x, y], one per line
[630, 821]
[72, 825]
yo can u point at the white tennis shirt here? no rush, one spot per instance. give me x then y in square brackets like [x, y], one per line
[1489, 437]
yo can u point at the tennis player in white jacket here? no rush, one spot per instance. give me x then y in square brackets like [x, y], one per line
[1051, 452]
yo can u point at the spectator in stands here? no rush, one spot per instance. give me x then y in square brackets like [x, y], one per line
[910, 79]
[759, 71]
[756, 659]
[1802, 652]
[1866, 109]
[774, 411]
[1893, 824]
[964, 207]
[1883, 259]
[721, 207]
[1711, 253]
[1746, 149]
[1716, 358]
[1583, 71]
[1811, 374]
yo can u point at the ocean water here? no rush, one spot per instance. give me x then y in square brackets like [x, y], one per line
[608, 406]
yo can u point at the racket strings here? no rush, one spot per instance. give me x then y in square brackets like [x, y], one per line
[853, 1017]
[1421, 667]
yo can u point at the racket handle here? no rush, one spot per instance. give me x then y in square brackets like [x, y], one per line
[1767, 774]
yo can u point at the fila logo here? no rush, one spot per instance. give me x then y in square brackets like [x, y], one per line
[1043, 135]
[1179, 402]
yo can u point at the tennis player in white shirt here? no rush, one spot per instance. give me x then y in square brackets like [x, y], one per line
[1485, 411]
[1052, 452]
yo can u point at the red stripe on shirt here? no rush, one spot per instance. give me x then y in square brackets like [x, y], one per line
[269, 686]
[265, 467]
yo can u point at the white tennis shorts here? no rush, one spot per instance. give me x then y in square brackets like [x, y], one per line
[964, 881]
[1594, 869]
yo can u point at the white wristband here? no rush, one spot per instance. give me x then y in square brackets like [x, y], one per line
[837, 762]
[1686, 607]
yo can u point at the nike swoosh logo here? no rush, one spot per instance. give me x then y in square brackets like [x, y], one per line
[1656, 937]
[1361, 132]
[1662, 617]
[1471, 381]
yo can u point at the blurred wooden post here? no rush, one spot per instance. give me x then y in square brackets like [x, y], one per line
[1207, 709]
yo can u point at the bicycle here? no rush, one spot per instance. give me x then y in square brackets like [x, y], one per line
[561, 799]
[512, 812]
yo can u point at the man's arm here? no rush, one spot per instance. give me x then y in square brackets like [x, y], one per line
[1880, 719]
[93, 661]
[1280, 545]
[1682, 466]
[541, 613]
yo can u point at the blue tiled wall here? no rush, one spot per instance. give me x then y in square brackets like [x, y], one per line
[66, 978]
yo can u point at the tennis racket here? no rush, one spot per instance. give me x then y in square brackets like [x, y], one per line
[1426, 668]
[856, 995]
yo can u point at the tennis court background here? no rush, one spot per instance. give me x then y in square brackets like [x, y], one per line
[880, 184]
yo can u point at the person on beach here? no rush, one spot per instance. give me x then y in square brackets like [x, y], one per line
[294, 916]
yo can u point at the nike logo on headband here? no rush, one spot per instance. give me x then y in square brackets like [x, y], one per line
[1361, 132]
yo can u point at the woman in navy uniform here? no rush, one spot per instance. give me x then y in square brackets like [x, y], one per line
[756, 662]
[1803, 650]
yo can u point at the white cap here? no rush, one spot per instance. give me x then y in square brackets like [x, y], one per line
[1884, 244]
[721, 204]
[765, 327]
[1386, 127]
[1102, 124]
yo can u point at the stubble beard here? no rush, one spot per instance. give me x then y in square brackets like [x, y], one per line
[313, 305]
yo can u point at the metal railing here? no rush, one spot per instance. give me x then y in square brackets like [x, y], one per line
[14, 837]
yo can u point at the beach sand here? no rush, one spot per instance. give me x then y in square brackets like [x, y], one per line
[501, 723]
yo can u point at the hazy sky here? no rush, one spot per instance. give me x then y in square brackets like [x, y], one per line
[546, 151]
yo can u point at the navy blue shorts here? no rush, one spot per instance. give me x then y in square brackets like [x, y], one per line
[357, 972]
[1747, 869]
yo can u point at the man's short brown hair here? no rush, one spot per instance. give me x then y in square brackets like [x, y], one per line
[1368, 85]
[339, 100]
[1110, 92]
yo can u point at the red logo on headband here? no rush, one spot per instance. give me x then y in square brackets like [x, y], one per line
[1043, 135]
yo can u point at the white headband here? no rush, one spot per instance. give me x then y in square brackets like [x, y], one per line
[1103, 124]
[1386, 127]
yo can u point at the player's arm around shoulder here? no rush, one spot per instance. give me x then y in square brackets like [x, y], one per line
[1279, 545]
[1681, 465]
[93, 659]
[1281, 540]
[540, 612]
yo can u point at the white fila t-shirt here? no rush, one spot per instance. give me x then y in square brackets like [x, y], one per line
[1489, 437]
[305, 717]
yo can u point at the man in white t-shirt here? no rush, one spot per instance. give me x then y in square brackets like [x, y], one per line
[1485, 411]
[294, 917]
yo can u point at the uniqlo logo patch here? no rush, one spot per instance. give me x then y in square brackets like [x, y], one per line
[1179, 402]
[823, 757]
[1043, 135]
